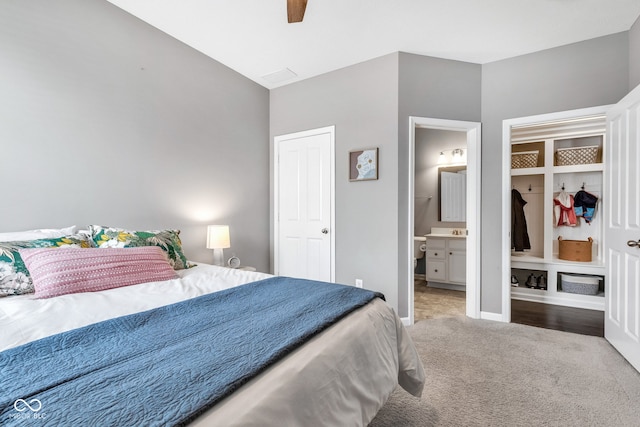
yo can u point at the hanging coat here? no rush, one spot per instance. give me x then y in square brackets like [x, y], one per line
[519, 235]
[585, 205]
[563, 210]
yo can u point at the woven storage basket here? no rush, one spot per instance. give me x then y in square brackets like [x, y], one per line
[524, 159]
[576, 284]
[575, 250]
[576, 155]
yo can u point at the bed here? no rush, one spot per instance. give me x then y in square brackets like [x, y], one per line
[340, 374]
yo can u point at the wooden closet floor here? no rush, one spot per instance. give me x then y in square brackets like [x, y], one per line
[560, 318]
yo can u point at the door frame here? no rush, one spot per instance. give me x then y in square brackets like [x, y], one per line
[474, 137]
[331, 130]
[506, 188]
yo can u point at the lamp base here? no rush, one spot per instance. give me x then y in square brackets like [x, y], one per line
[218, 257]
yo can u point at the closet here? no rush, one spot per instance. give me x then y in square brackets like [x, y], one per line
[551, 164]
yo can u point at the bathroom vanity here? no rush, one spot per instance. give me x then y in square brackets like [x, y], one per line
[446, 259]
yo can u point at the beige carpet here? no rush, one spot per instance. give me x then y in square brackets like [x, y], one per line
[483, 373]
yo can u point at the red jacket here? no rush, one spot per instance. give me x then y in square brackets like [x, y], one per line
[563, 210]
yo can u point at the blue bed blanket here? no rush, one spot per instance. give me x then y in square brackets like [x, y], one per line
[167, 365]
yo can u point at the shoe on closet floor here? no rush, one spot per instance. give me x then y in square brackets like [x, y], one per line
[531, 281]
[514, 280]
[541, 282]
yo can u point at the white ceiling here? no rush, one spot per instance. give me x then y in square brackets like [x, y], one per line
[254, 38]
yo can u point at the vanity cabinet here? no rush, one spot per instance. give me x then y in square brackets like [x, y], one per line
[457, 260]
[446, 260]
[436, 260]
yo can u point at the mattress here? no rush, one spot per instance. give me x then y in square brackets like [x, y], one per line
[342, 376]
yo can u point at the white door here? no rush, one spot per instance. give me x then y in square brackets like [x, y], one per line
[622, 297]
[303, 227]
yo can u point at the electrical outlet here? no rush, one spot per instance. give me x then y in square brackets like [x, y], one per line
[358, 283]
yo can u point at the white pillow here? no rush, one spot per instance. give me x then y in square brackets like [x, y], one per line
[43, 233]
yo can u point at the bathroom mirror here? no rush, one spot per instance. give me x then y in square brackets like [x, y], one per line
[452, 194]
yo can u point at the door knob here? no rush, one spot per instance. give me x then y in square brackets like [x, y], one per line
[325, 231]
[633, 243]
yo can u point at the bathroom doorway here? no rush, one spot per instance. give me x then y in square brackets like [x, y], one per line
[438, 146]
[439, 209]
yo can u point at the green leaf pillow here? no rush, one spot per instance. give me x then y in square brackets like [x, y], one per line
[111, 237]
[14, 276]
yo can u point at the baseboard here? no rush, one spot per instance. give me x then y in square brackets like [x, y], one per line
[496, 317]
[449, 286]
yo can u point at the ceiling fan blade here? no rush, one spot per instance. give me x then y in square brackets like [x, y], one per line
[295, 10]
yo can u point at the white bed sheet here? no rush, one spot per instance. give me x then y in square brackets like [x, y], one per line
[24, 318]
[343, 376]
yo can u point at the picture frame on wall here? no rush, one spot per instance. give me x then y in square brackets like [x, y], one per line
[363, 164]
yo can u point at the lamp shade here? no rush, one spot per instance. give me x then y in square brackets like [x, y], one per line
[218, 237]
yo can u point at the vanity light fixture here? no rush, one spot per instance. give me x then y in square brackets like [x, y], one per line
[457, 157]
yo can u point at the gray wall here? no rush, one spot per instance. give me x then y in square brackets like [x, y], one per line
[370, 104]
[634, 55]
[580, 75]
[107, 120]
[362, 102]
[433, 88]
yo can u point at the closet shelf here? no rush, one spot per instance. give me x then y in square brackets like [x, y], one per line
[594, 263]
[527, 171]
[590, 302]
[593, 167]
[554, 260]
[523, 257]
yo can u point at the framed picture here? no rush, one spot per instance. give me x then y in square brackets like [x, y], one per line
[363, 164]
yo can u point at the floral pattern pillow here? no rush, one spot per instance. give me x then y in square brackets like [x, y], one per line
[111, 237]
[14, 276]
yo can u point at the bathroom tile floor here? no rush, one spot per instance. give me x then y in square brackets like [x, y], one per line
[434, 303]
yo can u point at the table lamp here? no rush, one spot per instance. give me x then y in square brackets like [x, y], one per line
[218, 240]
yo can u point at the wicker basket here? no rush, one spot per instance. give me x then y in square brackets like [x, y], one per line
[576, 155]
[524, 159]
[575, 250]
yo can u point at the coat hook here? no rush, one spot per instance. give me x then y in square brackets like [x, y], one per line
[563, 186]
[582, 185]
[529, 187]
